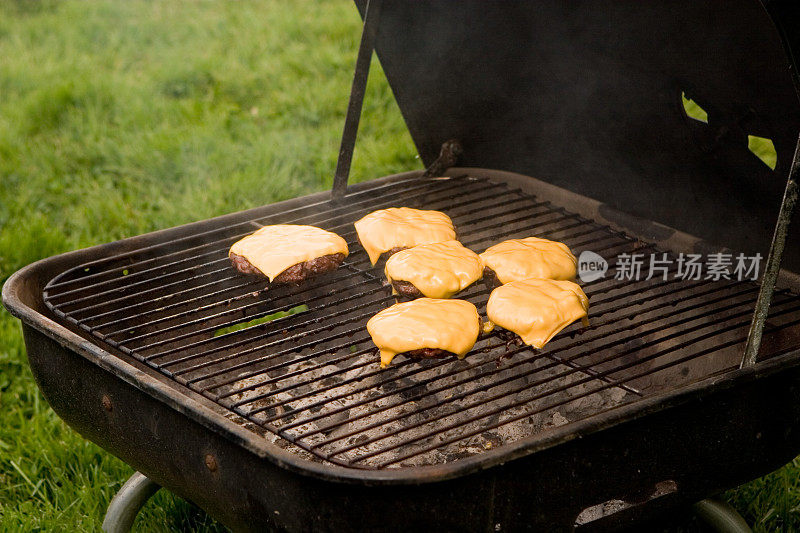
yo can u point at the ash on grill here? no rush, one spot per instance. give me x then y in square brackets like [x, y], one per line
[419, 404]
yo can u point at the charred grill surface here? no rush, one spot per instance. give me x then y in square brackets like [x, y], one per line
[308, 377]
[294, 274]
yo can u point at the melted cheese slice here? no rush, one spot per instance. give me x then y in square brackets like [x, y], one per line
[438, 270]
[402, 227]
[532, 257]
[273, 249]
[451, 325]
[537, 309]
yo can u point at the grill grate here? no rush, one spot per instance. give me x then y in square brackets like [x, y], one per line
[312, 380]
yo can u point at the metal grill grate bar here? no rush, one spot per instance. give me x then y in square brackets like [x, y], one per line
[595, 315]
[179, 315]
[184, 347]
[469, 188]
[735, 342]
[258, 284]
[422, 369]
[488, 413]
[361, 263]
[387, 299]
[398, 189]
[533, 353]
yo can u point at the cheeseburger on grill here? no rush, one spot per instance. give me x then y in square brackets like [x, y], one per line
[437, 270]
[397, 228]
[537, 309]
[288, 254]
[424, 328]
[532, 257]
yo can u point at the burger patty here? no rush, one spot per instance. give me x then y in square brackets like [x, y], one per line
[490, 278]
[388, 253]
[394, 250]
[295, 273]
[407, 289]
[428, 353]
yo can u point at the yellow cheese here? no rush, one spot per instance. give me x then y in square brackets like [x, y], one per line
[532, 257]
[438, 270]
[451, 325]
[402, 227]
[537, 309]
[273, 249]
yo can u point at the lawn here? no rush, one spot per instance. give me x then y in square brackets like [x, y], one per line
[118, 118]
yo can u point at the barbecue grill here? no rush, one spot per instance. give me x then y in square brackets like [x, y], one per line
[670, 395]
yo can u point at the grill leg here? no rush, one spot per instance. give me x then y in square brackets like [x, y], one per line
[125, 505]
[720, 516]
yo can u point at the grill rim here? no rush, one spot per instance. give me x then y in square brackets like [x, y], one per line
[217, 419]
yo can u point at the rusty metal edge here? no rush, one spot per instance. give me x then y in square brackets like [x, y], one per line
[773, 265]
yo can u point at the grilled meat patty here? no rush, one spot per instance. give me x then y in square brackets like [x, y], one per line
[425, 327]
[436, 270]
[537, 309]
[490, 278]
[389, 253]
[529, 258]
[293, 274]
[394, 250]
[384, 229]
[428, 353]
[406, 289]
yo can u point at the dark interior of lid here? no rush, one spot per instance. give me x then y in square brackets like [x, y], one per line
[594, 97]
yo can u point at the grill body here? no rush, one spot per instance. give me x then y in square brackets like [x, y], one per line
[738, 431]
[703, 427]
[644, 411]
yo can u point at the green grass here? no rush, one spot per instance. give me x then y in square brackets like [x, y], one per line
[118, 118]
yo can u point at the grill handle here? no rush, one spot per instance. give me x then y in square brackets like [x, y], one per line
[371, 16]
[773, 265]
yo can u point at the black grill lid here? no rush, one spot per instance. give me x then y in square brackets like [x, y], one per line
[587, 95]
